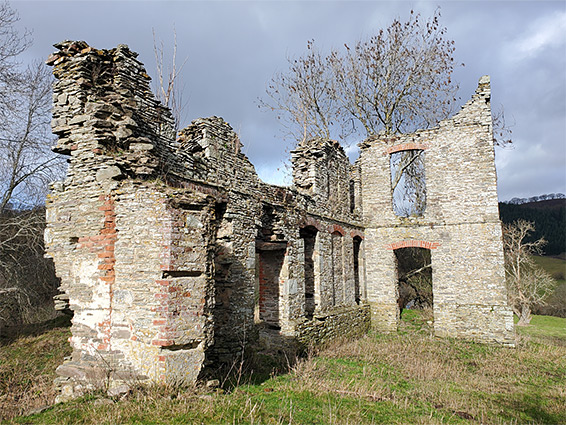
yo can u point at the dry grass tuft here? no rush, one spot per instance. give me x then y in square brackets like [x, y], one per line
[27, 365]
[407, 377]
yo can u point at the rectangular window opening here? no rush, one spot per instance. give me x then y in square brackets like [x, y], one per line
[408, 183]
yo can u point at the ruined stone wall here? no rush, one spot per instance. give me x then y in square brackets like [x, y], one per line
[460, 225]
[175, 256]
[347, 322]
[158, 240]
[322, 171]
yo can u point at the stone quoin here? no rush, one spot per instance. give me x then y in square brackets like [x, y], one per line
[173, 252]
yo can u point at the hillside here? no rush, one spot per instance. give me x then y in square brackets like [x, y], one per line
[549, 217]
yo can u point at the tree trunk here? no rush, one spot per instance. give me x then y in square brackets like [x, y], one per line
[525, 317]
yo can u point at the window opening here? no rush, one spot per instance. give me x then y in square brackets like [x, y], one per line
[357, 244]
[408, 183]
[352, 196]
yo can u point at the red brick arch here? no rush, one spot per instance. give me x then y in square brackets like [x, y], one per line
[406, 147]
[335, 228]
[412, 243]
[357, 233]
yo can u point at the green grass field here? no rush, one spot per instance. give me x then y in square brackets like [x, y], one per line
[555, 266]
[545, 327]
[556, 301]
[407, 377]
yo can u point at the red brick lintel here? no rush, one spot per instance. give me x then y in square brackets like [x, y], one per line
[407, 147]
[413, 243]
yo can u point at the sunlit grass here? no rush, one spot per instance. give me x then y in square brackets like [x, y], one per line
[407, 377]
[545, 326]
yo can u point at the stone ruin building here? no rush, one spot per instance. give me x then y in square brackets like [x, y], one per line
[173, 252]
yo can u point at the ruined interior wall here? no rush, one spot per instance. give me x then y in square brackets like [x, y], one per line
[155, 238]
[460, 224]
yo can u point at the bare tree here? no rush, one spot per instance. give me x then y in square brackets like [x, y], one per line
[27, 165]
[527, 284]
[304, 97]
[167, 88]
[398, 80]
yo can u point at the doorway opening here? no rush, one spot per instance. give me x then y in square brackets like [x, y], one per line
[414, 277]
[308, 234]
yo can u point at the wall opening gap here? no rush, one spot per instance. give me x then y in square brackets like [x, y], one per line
[269, 263]
[408, 183]
[337, 268]
[357, 245]
[309, 237]
[414, 278]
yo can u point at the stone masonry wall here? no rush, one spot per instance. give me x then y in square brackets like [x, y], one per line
[460, 225]
[175, 255]
[157, 239]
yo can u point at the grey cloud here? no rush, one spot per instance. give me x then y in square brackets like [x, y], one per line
[234, 48]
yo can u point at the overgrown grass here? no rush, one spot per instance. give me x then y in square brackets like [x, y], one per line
[29, 355]
[556, 302]
[407, 377]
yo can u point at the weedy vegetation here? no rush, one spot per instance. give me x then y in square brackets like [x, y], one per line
[406, 377]
[29, 355]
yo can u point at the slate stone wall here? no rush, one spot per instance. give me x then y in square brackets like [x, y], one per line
[175, 255]
[158, 240]
[460, 225]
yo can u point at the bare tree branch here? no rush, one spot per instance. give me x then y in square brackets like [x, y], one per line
[397, 80]
[527, 284]
[168, 91]
[501, 129]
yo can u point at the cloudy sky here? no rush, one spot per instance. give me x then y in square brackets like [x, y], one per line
[233, 48]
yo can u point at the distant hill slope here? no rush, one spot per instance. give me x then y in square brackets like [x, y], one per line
[549, 217]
